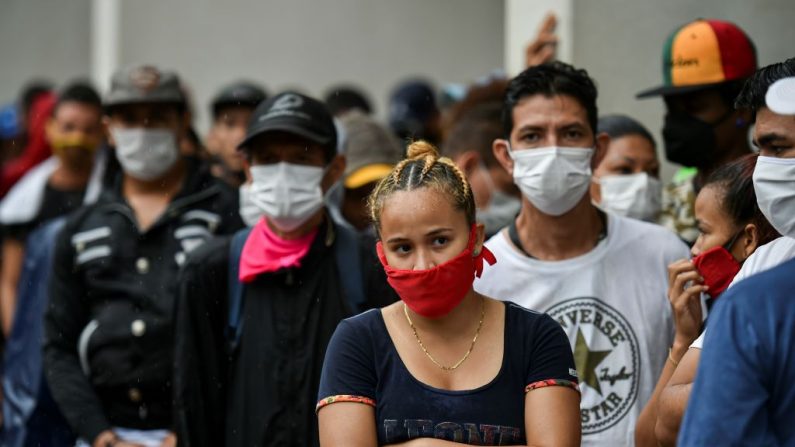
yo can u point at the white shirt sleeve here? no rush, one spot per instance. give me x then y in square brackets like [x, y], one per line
[699, 342]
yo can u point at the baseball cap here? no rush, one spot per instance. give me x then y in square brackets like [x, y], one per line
[704, 53]
[371, 151]
[144, 84]
[780, 97]
[411, 104]
[241, 93]
[294, 113]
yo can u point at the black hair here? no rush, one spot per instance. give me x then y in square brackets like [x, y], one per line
[344, 98]
[550, 79]
[738, 198]
[617, 126]
[476, 130]
[79, 92]
[31, 91]
[753, 93]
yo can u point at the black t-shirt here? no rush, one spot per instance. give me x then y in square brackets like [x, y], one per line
[54, 203]
[362, 365]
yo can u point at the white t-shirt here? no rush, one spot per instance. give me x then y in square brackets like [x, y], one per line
[612, 304]
[764, 258]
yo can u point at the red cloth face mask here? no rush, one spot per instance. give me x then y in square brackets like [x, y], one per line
[718, 267]
[434, 292]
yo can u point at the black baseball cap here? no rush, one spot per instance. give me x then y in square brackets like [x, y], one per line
[293, 113]
[241, 93]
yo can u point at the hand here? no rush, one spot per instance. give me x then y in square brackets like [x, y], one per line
[169, 441]
[685, 286]
[544, 47]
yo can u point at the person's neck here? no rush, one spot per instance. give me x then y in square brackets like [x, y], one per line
[69, 178]
[307, 227]
[168, 185]
[456, 323]
[737, 150]
[555, 238]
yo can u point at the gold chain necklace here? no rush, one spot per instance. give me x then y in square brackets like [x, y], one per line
[471, 346]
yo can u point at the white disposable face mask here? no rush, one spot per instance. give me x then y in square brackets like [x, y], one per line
[249, 211]
[553, 179]
[774, 184]
[635, 195]
[145, 154]
[288, 194]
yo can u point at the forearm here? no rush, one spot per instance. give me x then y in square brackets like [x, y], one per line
[74, 394]
[8, 300]
[671, 410]
[645, 427]
[433, 442]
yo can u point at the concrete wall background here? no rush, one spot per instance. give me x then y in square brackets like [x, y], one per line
[305, 44]
[620, 43]
[47, 39]
[311, 44]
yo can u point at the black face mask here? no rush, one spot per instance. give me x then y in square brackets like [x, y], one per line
[690, 141]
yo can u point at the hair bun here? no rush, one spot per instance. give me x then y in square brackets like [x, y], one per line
[421, 149]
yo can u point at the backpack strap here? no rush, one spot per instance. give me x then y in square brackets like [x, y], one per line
[234, 326]
[349, 267]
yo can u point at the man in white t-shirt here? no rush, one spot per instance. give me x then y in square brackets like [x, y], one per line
[601, 276]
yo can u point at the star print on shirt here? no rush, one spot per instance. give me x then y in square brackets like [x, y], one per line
[587, 361]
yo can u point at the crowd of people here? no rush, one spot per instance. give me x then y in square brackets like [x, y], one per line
[504, 267]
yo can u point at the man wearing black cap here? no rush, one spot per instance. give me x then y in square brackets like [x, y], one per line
[255, 314]
[705, 63]
[107, 351]
[414, 113]
[232, 109]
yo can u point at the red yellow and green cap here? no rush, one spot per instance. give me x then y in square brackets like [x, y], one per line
[704, 53]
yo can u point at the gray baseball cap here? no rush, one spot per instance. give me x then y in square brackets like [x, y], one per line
[370, 149]
[144, 84]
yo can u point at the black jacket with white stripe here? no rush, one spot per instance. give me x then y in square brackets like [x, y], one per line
[108, 349]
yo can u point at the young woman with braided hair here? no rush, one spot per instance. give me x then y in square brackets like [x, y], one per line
[445, 365]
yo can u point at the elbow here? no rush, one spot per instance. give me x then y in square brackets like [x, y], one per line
[665, 433]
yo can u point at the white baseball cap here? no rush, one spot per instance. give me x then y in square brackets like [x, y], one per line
[780, 97]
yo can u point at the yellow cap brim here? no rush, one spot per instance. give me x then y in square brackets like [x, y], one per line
[367, 174]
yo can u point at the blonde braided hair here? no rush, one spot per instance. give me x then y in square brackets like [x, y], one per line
[423, 167]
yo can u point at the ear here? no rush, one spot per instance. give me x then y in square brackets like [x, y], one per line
[50, 130]
[247, 169]
[469, 162]
[480, 238]
[600, 149]
[500, 149]
[334, 172]
[108, 133]
[744, 119]
[749, 240]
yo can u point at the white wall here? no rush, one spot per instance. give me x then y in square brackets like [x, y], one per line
[306, 44]
[45, 39]
[312, 44]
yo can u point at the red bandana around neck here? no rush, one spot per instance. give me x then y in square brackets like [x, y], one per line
[265, 251]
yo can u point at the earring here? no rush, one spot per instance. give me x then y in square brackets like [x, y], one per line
[739, 123]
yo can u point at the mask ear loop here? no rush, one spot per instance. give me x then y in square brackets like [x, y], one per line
[728, 245]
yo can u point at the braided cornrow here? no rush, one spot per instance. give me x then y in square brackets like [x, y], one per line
[423, 167]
